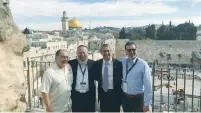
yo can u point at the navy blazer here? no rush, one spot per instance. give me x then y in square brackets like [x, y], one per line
[117, 76]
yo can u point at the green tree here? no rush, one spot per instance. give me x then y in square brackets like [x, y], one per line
[162, 33]
[122, 34]
[26, 31]
[166, 32]
[137, 34]
[199, 27]
[186, 31]
[170, 32]
[151, 31]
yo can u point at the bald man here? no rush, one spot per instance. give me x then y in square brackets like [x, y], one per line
[83, 87]
[56, 84]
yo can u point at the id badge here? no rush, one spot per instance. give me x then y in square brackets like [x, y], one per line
[82, 86]
[125, 86]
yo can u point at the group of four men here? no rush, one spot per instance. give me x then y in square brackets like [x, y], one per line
[69, 85]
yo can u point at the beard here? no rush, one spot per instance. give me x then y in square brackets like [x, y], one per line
[82, 61]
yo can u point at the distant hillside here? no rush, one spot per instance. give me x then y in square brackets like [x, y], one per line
[199, 32]
[114, 31]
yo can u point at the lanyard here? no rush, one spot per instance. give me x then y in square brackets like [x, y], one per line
[83, 72]
[128, 70]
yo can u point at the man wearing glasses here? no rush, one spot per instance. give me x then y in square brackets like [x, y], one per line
[136, 84]
[56, 84]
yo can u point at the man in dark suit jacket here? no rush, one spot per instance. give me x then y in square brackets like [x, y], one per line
[83, 87]
[108, 73]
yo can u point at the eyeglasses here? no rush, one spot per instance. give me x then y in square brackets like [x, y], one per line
[129, 50]
[65, 57]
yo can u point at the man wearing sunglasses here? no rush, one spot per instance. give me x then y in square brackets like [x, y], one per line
[136, 84]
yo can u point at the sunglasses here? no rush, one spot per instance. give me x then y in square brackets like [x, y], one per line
[129, 50]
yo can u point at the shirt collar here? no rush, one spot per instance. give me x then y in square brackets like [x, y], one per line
[133, 61]
[109, 62]
[56, 67]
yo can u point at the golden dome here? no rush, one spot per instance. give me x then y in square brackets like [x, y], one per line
[74, 23]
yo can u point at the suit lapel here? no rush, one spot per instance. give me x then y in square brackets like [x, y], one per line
[89, 67]
[75, 69]
[88, 64]
[114, 67]
[100, 70]
[114, 72]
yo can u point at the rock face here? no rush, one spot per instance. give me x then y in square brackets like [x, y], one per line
[12, 79]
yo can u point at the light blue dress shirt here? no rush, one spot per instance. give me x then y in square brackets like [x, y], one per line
[138, 79]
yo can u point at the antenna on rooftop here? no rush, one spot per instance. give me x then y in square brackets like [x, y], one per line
[90, 25]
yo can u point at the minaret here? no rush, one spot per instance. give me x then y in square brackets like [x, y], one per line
[64, 21]
[90, 25]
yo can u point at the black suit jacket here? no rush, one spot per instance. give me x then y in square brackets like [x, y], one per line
[117, 77]
[92, 89]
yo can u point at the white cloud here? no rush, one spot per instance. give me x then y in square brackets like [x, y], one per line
[113, 23]
[36, 8]
[30, 8]
[164, 0]
[194, 2]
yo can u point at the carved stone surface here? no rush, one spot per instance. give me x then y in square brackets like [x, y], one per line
[12, 79]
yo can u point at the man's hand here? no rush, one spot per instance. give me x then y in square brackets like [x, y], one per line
[46, 101]
[48, 109]
[145, 108]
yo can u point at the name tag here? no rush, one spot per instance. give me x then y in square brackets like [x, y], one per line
[83, 87]
[125, 86]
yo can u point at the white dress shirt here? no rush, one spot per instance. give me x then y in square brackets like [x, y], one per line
[110, 73]
[57, 84]
[80, 79]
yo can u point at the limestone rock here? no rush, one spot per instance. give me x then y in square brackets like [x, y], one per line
[12, 79]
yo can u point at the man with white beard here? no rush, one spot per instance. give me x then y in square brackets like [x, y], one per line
[83, 88]
[56, 84]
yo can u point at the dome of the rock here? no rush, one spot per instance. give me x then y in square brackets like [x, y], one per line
[74, 23]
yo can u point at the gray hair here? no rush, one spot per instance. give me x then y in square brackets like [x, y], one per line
[105, 45]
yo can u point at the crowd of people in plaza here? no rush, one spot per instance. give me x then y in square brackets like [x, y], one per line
[69, 85]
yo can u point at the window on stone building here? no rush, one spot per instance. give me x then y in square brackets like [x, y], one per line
[48, 48]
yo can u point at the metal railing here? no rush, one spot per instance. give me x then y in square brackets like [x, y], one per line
[174, 89]
[34, 74]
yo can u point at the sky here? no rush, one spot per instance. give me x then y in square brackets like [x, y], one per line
[46, 14]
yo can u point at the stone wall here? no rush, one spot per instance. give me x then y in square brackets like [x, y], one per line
[150, 50]
[12, 46]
